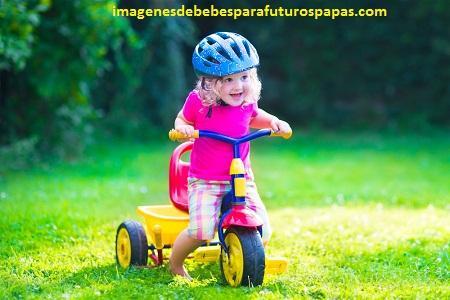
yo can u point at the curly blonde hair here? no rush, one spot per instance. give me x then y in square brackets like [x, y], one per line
[208, 89]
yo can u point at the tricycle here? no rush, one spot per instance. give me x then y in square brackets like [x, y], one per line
[239, 247]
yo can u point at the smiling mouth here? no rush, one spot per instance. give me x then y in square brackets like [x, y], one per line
[237, 95]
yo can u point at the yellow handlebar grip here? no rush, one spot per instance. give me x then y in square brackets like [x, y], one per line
[175, 135]
[286, 135]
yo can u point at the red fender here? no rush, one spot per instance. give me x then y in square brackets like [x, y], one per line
[241, 215]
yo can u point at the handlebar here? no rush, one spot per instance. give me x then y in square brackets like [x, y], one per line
[174, 135]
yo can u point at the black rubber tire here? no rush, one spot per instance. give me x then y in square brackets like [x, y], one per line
[254, 256]
[138, 242]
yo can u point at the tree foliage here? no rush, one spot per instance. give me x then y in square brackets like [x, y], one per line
[18, 22]
[46, 87]
[74, 62]
[64, 65]
[369, 72]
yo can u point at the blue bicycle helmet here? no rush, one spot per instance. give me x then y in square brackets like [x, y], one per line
[224, 53]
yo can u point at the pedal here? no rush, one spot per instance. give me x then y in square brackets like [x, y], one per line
[276, 265]
[207, 253]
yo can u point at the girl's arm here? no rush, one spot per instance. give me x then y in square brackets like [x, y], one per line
[265, 120]
[182, 125]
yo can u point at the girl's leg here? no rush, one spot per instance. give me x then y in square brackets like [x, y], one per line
[183, 245]
[204, 206]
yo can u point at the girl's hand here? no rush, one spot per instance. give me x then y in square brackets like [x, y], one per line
[280, 126]
[187, 130]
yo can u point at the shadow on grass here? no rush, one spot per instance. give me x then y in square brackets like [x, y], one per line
[146, 282]
[111, 282]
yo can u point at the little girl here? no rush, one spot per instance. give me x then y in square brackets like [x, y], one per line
[224, 101]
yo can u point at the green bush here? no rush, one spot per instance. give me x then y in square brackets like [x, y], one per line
[47, 91]
[77, 62]
[18, 21]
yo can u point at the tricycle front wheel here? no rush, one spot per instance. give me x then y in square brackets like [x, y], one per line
[244, 264]
[131, 244]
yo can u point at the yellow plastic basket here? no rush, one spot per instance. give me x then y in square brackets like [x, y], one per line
[171, 222]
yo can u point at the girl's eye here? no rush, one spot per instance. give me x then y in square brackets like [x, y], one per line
[228, 79]
[245, 77]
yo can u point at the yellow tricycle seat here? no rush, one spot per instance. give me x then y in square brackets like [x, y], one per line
[163, 223]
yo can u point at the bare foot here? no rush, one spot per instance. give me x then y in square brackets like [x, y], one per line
[180, 272]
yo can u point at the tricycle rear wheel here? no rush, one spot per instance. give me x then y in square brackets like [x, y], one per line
[131, 244]
[244, 264]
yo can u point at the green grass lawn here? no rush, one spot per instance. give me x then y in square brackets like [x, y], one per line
[357, 216]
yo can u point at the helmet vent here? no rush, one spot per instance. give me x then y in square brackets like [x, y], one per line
[210, 41]
[247, 47]
[223, 35]
[237, 50]
[212, 60]
[222, 52]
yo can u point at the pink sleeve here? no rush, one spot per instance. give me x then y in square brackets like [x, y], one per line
[255, 109]
[191, 107]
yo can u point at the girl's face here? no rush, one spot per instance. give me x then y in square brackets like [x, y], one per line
[235, 88]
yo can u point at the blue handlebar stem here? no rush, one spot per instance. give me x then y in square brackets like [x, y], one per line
[235, 141]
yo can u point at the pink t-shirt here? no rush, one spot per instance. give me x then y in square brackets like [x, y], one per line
[210, 159]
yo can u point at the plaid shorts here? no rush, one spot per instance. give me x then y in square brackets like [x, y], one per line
[205, 199]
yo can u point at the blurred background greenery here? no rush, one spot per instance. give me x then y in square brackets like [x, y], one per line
[70, 72]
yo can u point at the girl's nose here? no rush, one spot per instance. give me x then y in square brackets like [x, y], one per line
[237, 84]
